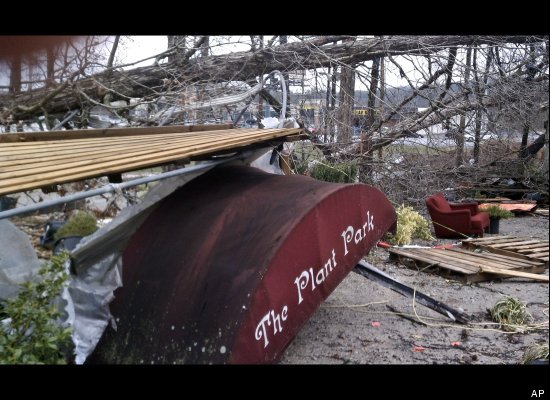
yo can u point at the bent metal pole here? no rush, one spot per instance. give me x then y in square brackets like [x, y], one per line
[112, 187]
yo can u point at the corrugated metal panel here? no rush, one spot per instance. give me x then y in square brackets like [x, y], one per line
[29, 165]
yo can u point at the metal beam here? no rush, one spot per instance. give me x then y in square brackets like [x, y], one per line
[369, 271]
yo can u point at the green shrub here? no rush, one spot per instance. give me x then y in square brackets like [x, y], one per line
[410, 224]
[535, 352]
[338, 173]
[30, 333]
[80, 224]
[511, 314]
[497, 212]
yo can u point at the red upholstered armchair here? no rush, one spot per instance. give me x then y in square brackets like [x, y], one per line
[461, 217]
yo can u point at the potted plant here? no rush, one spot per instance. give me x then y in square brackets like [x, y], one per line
[495, 214]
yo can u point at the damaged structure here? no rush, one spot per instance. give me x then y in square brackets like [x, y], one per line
[236, 259]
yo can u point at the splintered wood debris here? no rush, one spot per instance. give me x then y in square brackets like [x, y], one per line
[513, 246]
[469, 266]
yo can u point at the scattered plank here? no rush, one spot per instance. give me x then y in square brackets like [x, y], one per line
[519, 247]
[493, 200]
[512, 207]
[519, 274]
[467, 266]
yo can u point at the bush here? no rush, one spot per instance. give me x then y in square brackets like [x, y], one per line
[80, 224]
[511, 314]
[535, 352]
[409, 224]
[29, 332]
[338, 173]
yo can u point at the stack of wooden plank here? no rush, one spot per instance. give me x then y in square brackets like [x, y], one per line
[514, 246]
[35, 160]
[469, 266]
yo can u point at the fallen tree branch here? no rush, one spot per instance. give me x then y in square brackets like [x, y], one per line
[143, 81]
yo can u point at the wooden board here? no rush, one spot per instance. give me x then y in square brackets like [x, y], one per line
[107, 132]
[65, 157]
[466, 265]
[514, 246]
[512, 207]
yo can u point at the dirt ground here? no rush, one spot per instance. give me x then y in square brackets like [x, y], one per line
[355, 326]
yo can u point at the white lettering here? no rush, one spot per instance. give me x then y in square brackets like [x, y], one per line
[301, 283]
[263, 332]
[347, 235]
[321, 273]
[312, 279]
[271, 316]
[370, 220]
[358, 235]
[307, 276]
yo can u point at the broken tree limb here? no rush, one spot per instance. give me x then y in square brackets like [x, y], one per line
[517, 274]
[371, 272]
[316, 53]
[430, 117]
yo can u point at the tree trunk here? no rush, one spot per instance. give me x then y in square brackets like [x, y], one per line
[181, 42]
[50, 66]
[528, 108]
[371, 105]
[459, 160]
[205, 47]
[545, 165]
[15, 74]
[110, 62]
[333, 79]
[382, 95]
[283, 39]
[366, 138]
[345, 104]
[326, 109]
[258, 44]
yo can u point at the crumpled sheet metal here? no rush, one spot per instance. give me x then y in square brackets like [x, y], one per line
[18, 260]
[97, 262]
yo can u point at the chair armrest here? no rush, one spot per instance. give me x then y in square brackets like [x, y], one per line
[465, 213]
[472, 206]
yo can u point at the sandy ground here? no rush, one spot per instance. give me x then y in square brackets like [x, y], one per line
[355, 326]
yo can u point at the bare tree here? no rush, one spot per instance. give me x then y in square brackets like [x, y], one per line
[346, 103]
[15, 74]
[493, 86]
[461, 126]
